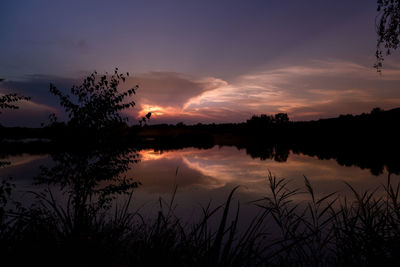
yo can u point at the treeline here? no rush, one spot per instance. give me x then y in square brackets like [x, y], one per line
[375, 127]
[377, 123]
[369, 140]
[264, 119]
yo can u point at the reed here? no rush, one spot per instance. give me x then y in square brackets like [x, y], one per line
[322, 231]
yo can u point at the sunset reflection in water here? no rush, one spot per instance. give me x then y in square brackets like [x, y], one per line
[212, 173]
[204, 175]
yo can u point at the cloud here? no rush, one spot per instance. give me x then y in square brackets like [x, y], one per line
[170, 88]
[36, 111]
[29, 114]
[162, 93]
[314, 90]
[226, 167]
[37, 86]
[165, 94]
[159, 172]
[319, 89]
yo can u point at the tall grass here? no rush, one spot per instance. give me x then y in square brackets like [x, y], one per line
[322, 231]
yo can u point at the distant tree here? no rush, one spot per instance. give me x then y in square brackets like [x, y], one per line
[97, 103]
[263, 119]
[346, 117]
[376, 111]
[388, 29]
[281, 118]
[254, 120]
[266, 119]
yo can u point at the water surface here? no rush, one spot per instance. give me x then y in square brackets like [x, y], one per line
[204, 175]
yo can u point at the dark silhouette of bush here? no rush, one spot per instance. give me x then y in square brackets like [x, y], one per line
[91, 171]
[96, 103]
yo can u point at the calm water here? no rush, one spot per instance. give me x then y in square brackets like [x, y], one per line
[204, 175]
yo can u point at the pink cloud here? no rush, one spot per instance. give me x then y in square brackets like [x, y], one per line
[316, 89]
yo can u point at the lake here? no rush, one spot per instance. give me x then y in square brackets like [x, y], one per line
[204, 175]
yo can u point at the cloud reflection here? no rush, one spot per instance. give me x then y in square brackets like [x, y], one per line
[227, 167]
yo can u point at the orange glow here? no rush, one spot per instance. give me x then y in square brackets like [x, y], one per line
[150, 154]
[303, 91]
[155, 110]
[159, 111]
[227, 166]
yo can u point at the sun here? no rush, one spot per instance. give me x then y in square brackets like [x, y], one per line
[155, 110]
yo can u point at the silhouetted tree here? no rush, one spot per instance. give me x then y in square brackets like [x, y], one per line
[264, 120]
[388, 29]
[261, 120]
[376, 111]
[96, 103]
[92, 169]
[281, 118]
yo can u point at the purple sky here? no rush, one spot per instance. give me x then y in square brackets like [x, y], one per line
[200, 61]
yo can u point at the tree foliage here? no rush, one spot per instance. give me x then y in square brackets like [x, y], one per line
[8, 101]
[92, 171]
[388, 29]
[263, 119]
[97, 103]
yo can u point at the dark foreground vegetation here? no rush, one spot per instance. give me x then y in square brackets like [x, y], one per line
[326, 231]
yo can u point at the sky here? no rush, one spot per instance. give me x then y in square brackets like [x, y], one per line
[199, 61]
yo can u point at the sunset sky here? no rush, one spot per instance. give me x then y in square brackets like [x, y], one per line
[200, 61]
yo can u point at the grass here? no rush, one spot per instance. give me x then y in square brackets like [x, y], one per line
[323, 231]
